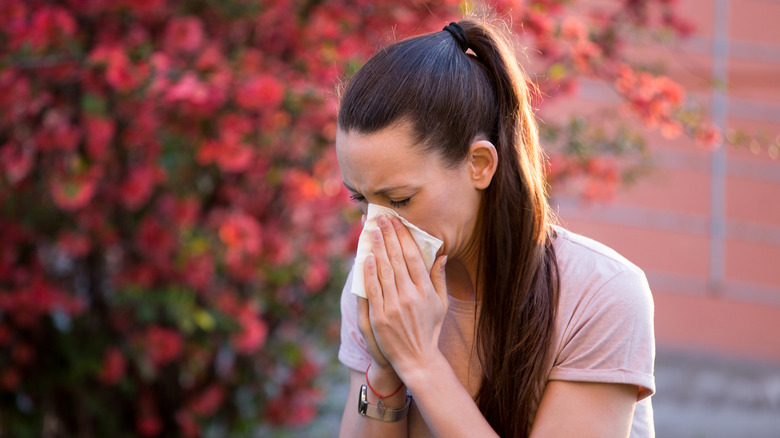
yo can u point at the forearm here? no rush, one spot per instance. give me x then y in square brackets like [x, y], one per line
[446, 406]
[355, 425]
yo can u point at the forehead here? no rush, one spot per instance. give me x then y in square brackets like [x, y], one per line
[385, 158]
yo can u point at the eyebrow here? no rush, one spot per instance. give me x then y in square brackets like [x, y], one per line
[380, 191]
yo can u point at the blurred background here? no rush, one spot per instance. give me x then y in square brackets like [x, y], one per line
[175, 233]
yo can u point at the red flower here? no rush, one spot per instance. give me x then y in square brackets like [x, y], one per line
[572, 28]
[5, 335]
[73, 192]
[149, 424]
[17, 161]
[10, 379]
[120, 73]
[253, 332]
[162, 345]
[154, 240]
[708, 136]
[23, 353]
[184, 34]
[138, 186]
[74, 244]
[208, 401]
[230, 155]
[240, 233]
[99, 133]
[113, 367]
[49, 26]
[316, 275]
[187, 424]
[199, 271]
[189, 90]
[263, 92]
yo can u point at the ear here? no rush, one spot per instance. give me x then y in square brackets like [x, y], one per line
[482, 162]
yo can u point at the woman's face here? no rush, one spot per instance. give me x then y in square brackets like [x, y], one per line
[388, 169]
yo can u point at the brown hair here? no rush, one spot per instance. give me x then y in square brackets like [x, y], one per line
[450, 98]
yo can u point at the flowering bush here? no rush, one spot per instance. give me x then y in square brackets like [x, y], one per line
[173, 224]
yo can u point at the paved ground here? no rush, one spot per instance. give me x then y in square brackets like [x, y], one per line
[702, 396]
[698, 396]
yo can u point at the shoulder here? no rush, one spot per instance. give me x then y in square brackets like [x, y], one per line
[588, 268]
[600, 288]
[576, 252]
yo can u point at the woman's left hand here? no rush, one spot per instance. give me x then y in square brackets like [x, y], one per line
[406, 305]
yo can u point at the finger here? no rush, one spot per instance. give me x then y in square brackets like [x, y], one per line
[411, 252]
[439, 278]
[363, 220]
[372, 284]
[364, 322]
[383, 268]
[393, 248]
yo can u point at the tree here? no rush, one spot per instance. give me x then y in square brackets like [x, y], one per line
[175, 231]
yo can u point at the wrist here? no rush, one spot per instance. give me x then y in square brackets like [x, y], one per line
[416, 376]
[385, 383]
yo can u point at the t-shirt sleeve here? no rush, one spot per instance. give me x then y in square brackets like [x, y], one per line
[352, 352]
[607, 334]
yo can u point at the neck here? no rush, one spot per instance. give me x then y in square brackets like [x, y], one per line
[461, 279]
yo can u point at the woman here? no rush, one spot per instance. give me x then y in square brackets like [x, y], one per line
[521, 328]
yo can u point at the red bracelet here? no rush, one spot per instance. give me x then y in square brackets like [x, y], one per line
[376, 393]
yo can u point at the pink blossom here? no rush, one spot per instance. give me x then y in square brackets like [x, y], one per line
[145, 7]
[572, 28]
[17, 161]
[184, 34]
[263, 92]
[316, 275]
[188, 89]
[199, 271]
[154, 240]
[230, 154]
[708, 136]
[49, 26]
[240, 232]
[253, 332]
[73, 192]
[99, 133]
[139, 185]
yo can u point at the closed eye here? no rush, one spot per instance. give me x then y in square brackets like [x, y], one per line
[357, 199]
[401, 203]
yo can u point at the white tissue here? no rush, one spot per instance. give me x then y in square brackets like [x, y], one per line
[427, 244]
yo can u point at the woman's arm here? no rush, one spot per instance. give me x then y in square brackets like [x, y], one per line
[582, 409]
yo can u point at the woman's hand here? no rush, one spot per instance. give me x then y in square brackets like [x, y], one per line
[406, 306]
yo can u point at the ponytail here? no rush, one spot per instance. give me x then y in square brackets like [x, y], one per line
[517, 269]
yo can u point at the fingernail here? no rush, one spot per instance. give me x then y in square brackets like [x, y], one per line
[444, 263]
[381, 219]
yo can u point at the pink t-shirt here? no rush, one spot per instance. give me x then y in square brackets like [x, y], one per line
[603, 329]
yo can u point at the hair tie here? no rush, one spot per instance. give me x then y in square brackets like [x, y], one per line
[459, 34]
